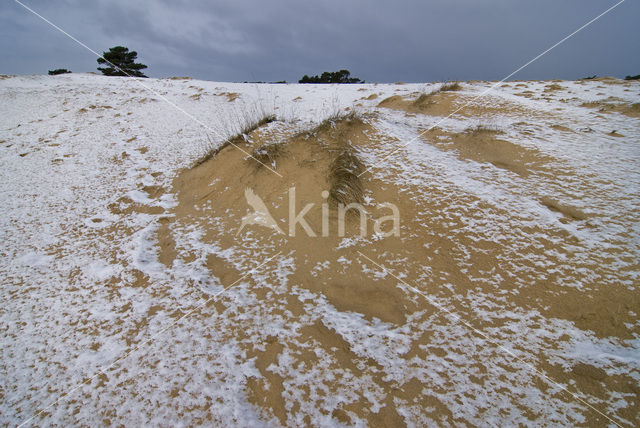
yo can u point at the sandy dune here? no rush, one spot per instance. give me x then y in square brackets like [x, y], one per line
[139, 288]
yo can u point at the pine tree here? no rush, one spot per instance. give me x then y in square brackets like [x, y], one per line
[121, 62]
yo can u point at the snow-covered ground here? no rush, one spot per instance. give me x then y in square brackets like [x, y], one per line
[91, 323]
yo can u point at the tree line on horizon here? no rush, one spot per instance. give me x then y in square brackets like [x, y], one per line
[122, 62]
[341, 76]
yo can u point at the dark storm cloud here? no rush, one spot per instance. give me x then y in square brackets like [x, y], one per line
[282, 40]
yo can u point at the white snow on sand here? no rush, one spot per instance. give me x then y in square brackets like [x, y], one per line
[76, 154]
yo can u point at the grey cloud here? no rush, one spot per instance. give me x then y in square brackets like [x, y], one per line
[283, 39]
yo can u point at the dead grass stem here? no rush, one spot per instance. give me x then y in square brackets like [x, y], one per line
[450, 86]
[268, 153]
[246, 127]
[345, 186]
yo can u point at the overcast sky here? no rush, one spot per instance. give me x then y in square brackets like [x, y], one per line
[383, 41]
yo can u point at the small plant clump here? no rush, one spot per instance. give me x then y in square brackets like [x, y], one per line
[425, 99]
[449, 87]
[483, 129]
[344, 177]
[267, 153]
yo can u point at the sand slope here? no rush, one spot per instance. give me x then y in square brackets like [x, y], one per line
[513, 274]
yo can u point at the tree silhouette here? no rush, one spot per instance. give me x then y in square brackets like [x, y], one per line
[342, 76]
[58, 71]
[121, 62]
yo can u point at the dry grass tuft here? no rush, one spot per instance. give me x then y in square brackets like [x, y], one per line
[340, 116]
[331, 122]
[268, 153]
[424, 100]
[344, 181]
[236, 140]
[252, 126]
[450, 86]
[231, 96]
[553, 87]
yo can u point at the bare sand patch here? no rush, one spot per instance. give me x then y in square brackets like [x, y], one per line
[608, 106]
[212, 195]
[483, 145]
[561, 128]
[446, 103]
[433, 104]
[305, 160]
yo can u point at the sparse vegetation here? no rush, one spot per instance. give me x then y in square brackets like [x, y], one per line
[636, 77]
[449, 87]
[425, 99]
[252, 126]
[592, 104]
[58, 71]
[330, 122]
[268, 153]
[237, 139]
[346, 115]
[345, 186]
[632, 110]
[483, 129]
[553, 87]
